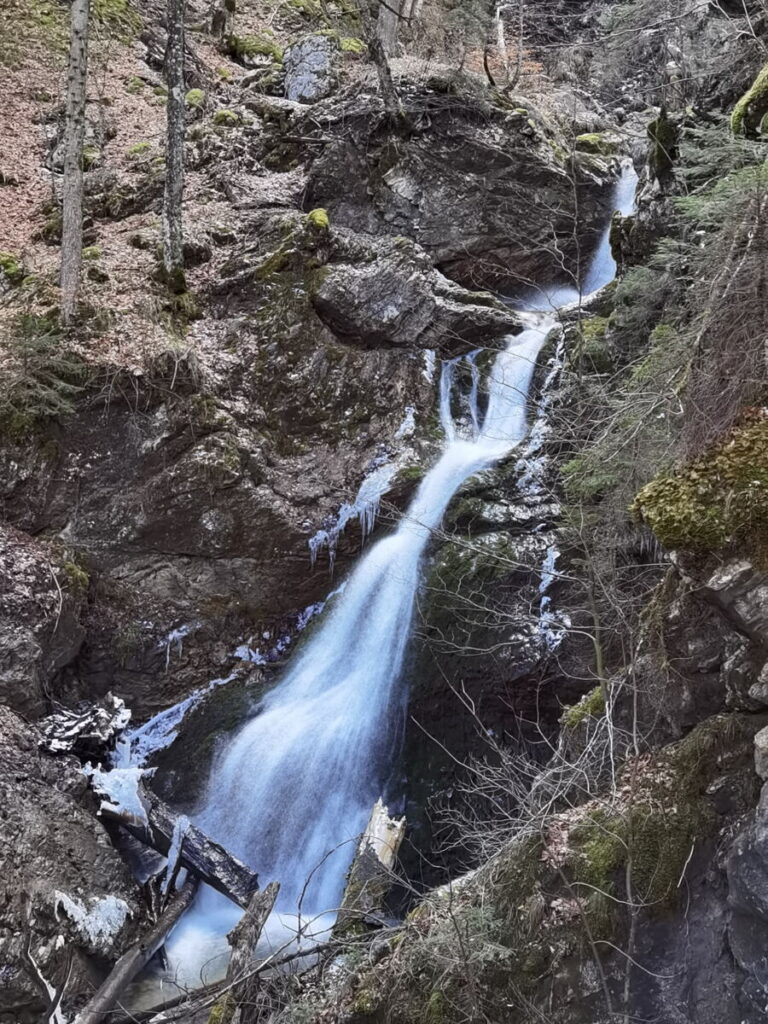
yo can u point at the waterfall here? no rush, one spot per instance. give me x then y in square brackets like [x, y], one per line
[293, 790]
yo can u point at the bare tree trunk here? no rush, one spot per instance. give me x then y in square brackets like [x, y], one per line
[173, 256]
[387, 25]
[72, 190]
[512, 84]
[131, 962]
[378, 55]
[223, 18]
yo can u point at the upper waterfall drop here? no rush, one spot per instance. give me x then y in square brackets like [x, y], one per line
[292, 792]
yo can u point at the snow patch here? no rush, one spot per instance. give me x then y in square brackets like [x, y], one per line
[119, 788]
[99, 920]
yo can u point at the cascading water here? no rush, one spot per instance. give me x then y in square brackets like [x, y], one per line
[294, 789]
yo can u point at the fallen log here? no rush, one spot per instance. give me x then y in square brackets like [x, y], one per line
[370, 877]
[146, 817]
[234, 1006]
[132, 961]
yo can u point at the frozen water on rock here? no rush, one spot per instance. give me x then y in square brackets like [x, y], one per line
[408, 427]
[364, 509]
[136, 746]
[119, 788]
[98, 921]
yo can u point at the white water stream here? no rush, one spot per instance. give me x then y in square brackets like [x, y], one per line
[293, 790]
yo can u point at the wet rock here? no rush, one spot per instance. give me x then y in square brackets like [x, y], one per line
[309, 69]
[64, 891]
[748, 898]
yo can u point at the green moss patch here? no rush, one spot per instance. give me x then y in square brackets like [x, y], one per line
[12, 267]
[592, 705]
[595, 143]
[195, 98]
[719, 499]
[244, 47]
[226, 119]
[319, 219]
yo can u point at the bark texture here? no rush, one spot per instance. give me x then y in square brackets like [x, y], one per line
[387, 26]
[199, 854]
[72, 190]
[173, 256]
[238, 1006]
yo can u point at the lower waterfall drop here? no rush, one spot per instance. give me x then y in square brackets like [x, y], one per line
[292, 792]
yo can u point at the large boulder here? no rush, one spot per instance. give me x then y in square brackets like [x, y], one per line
[488, 191]
[65, 891]
[395, 297]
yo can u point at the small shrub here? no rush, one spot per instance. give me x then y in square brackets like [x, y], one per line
[43, 379]
[319, 219]
[195, 98]
[226, 119]
[12, 267]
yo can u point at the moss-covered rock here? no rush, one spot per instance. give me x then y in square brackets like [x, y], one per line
[246, 48]
[719, 499]
[591, 705]
[597, 143]
[594, 353]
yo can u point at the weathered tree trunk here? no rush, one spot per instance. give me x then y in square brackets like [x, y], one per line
[379, 57]
[74, 134]
[237, 1005]
[199, 854]
[131, 962]
[223, 18]
[173, 255]
[370, 876]
[388, 25]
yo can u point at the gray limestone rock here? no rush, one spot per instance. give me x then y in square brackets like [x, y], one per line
[308, 66]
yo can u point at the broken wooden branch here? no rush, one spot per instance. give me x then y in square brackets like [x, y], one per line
[370, 877]
[132, 961]
[243, 939]
[198, 853]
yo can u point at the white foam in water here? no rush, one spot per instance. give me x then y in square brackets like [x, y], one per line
[293, 790]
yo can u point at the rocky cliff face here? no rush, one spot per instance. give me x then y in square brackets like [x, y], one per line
[157, 511]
